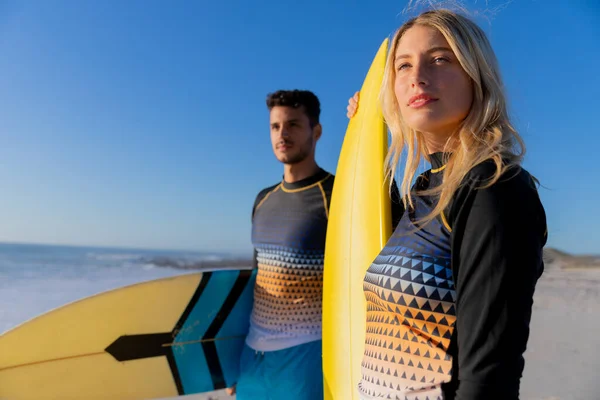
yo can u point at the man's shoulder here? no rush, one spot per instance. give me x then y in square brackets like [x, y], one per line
[327, 182]
[264, 193]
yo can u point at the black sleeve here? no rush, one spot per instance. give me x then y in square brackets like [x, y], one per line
[255, 253]
[259, 198]
[397, 205]
[257, 201]
[255, 260]
[498, 234]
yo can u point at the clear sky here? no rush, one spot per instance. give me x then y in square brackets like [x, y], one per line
[143, 123]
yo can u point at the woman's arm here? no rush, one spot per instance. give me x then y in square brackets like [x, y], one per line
[498, 234]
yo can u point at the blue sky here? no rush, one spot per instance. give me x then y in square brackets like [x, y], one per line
[143, 123]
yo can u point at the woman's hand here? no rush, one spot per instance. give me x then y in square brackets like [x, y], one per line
[352, 105]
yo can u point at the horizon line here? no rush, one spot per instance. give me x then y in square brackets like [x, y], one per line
[116, 247]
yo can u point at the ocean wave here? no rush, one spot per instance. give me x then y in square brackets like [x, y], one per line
[114, 256]
[198, 264]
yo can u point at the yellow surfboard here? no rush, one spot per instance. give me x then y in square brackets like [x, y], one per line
[358, 228]
[163, 338]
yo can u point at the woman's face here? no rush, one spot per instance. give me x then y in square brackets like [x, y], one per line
[431, 87]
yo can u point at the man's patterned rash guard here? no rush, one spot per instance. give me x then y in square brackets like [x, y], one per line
[289, 226]
[449, 305]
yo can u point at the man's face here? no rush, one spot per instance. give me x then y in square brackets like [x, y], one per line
[292, 136]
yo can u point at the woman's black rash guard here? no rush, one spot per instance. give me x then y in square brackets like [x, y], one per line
[449, 306]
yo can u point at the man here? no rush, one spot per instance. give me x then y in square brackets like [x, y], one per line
[282, 355]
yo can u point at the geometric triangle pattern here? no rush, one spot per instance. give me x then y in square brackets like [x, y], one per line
[410, 296]
[287, 302]
[283, 257]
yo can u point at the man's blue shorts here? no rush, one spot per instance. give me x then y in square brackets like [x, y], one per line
[295, 373]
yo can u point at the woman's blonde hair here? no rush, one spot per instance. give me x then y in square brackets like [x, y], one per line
[485, 134]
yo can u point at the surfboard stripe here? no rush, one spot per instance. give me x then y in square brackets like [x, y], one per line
[210, 348]
[193, 301]
[175, 372]
[184, 316]
[238, 323]
[196, 366]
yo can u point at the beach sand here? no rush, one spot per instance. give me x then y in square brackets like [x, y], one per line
[562, 361]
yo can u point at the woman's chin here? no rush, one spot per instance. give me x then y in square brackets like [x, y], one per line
[431, 126]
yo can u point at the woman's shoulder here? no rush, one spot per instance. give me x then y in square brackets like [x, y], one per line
[511, 177]
[513, 193]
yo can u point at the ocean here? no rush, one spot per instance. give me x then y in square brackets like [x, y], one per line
[35, 279]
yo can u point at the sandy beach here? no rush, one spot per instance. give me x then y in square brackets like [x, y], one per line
[562, 361]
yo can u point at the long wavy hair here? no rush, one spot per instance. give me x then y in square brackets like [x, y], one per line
[485, 134]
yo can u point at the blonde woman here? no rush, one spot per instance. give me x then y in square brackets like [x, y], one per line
[450, 295]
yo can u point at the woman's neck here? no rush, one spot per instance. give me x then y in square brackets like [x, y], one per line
[438, 142]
